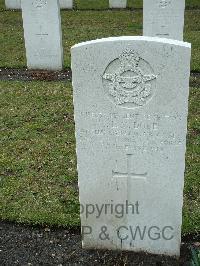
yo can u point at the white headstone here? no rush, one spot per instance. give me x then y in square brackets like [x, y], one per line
[164, 18]
[66, 4]
[131, 105]
[16, 4]
[13, 4]
[42, 33]
[117, 3]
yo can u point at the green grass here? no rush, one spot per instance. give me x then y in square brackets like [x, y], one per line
[192, 177]
[2, 5]
[39, 178]
[78, 26]
[103, 4]
[38, 182]
[91, 4]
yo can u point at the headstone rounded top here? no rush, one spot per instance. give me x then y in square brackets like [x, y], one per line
[133, 38]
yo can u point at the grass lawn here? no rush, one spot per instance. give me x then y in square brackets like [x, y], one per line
[102, 4]
[78, 26]
[39, 180]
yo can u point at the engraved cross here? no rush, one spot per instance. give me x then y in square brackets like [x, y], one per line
[41, 34]
[129, 175]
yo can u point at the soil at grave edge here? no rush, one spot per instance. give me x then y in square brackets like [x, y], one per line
[23, 74]
[34, 245]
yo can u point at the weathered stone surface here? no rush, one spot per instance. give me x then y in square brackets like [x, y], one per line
[131, 105]
[117, 3]
[66, 4]
[16, 4]
[164, 18]
[42, 33]
[13, 4]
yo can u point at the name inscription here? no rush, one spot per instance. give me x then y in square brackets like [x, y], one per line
[141, 132]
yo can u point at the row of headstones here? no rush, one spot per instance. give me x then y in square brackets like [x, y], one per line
[65, 4]
[43, 37]
[130, 103]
